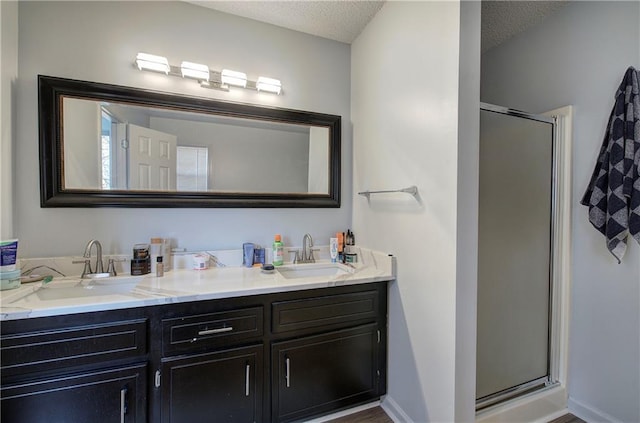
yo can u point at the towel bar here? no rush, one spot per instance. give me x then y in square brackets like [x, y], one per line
[413, 190]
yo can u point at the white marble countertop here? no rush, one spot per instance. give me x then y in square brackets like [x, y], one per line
[68, 295]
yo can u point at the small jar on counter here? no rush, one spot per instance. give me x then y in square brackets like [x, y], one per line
[140, 266]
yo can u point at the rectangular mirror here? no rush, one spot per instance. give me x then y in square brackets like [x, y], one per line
[106, 145]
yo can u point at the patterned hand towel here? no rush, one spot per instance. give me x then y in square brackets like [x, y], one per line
[613, 194]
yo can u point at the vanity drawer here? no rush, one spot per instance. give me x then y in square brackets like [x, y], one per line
[66, 347]
[326, 312]
[191, 333]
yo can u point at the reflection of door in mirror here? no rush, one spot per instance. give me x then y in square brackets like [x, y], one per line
[152, 159]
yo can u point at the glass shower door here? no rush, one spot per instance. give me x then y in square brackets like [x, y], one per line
[514, 253]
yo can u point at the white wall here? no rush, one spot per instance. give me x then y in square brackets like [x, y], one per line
[98, 41]
[8, 76]
[405, 111]
[578, 56]
[467, 210]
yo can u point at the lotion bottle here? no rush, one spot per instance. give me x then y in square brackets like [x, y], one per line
[278, 251]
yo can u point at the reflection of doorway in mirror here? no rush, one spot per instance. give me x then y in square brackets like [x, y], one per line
[192, 168]
[106, 137]
[152, 159]
[113, 157]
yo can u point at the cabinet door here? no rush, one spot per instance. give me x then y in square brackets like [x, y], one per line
[117, 395]
[224, 386]
[322, 373]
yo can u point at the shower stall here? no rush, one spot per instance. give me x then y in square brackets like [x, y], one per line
[517, 208]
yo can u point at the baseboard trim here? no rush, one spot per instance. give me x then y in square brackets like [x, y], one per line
[538, 407]
[394, 411]
[588, 413]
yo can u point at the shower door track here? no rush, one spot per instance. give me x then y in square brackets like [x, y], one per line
[550, 380]
[514, 392]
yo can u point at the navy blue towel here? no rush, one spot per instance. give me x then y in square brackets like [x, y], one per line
[613, 194]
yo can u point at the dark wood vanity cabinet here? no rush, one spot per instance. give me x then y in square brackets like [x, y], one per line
[212, 363]
[265, 358]
[109, 395]
[67, 370]
[227, 384]
[328, 351]
[322, 373]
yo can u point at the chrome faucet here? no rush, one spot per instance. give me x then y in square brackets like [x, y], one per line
[306, 255]
[87, 256]
[307, 249]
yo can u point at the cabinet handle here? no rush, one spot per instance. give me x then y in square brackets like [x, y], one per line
[213, 331]
[286, 375]
[246, 382]
[123, 404]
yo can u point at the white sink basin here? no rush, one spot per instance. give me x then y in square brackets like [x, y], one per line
[87, 288]
[312, 270]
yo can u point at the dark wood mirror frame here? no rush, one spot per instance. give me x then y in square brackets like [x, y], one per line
[52, 90]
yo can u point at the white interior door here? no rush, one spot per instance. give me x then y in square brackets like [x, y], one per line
[152, 159]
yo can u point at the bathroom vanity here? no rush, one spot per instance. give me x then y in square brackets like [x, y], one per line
[282, 350]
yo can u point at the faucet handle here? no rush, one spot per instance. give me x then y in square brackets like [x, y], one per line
[111, 268]
[311, 258]
[296, 258]
[87, 267]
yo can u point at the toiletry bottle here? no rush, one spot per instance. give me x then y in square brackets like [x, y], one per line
[340, 236]
[278, 251]
[159, 267]
[350, 254]
[258, 256]
[247, 256]
[333, 249]
[155, 250]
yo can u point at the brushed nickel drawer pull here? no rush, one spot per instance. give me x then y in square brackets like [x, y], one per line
[246, 383]
[123, 404]
[287, 374]
[157, 379]
[214, 331]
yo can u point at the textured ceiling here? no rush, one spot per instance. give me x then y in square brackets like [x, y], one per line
[502, 20]
[337, 20]
[343, 20]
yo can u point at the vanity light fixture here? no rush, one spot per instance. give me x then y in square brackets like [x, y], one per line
[207, 78]
[153, 63]
[270, 85]
[231, 77]
[195, 71]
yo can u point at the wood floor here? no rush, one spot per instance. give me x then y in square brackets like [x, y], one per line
[377, 415]
[567, 418]
[370, 415]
